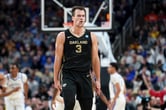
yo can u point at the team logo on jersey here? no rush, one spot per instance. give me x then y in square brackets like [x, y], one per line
[88, 75]
[86, 36]
[69, 37]
[64, 85]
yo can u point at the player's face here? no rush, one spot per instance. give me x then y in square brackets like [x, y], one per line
[13, 69]
[110, 69]
[79, 18]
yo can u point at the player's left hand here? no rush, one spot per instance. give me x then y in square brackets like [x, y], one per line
[98, 87]
[109, 106]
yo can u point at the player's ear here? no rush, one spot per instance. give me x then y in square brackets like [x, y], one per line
[72, 18]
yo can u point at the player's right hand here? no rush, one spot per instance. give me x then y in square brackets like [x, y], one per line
[57, 85]
[16, 89]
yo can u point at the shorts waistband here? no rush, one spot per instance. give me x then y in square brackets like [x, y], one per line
[75, 72]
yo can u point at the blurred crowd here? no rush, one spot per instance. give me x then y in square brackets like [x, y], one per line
[22, 41]
[145, 61]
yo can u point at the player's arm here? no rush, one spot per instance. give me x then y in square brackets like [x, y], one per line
[104, 99]
[2, 77]
[117, 86]
[125, 90]
[59, 47]
[10, 92]
[56, 96]
[101, 95]
[95, 60]
[26, 87]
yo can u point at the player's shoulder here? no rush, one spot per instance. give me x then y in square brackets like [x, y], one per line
[22, 74]
[62, 33]
[61, 36]
[93, 36]
[6, 75]
[115, 75]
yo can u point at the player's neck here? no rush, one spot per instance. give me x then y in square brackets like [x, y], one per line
[14, 75]
[77, 31]
[114, 72]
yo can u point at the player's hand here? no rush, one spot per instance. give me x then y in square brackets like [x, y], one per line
[16, 89]
[109, 106]
[53, 102]
[98, 87]
[57, 85]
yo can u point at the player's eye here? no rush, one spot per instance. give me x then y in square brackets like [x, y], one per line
[12, 67]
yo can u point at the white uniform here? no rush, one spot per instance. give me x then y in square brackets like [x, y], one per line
[94, 102]
[120, 101]
[15, 101]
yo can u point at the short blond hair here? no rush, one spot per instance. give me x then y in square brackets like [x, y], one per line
[77, 8]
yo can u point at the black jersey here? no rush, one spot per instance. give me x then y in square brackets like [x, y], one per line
[77, 52]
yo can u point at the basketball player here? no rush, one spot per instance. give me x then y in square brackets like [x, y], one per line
[77, 50]
[117, 85]
[57, 101]
[15, 79]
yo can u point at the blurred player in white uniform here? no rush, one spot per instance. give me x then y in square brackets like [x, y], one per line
[117, 88]
[15, 79]
[2, 94]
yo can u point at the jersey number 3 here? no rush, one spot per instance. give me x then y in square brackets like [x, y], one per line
[78, 48]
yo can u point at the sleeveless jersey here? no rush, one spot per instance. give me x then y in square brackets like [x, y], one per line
[116, 78]
[77, 52]
[11, 83]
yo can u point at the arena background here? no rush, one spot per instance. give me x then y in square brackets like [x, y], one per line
[135, 36]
